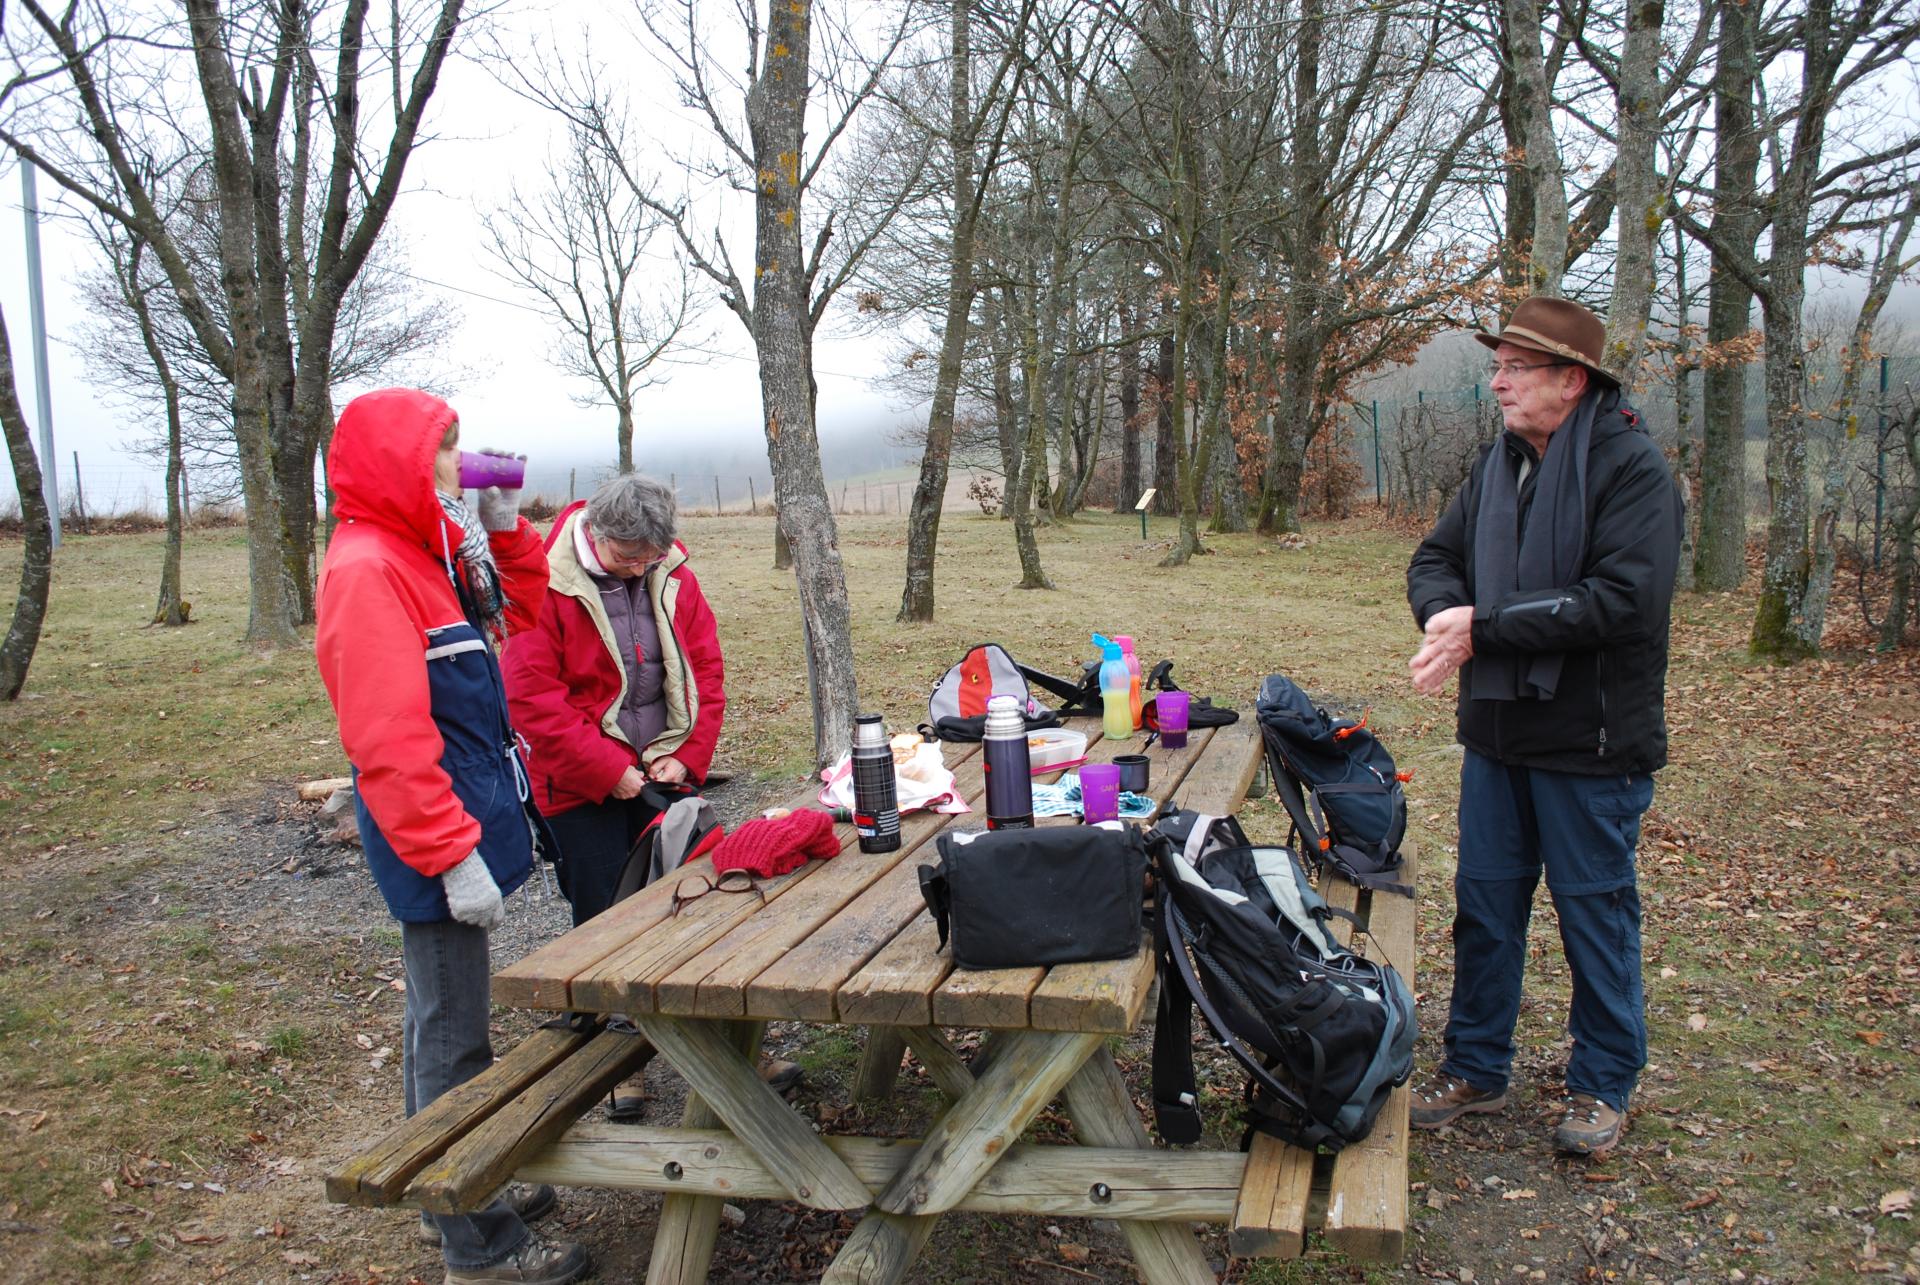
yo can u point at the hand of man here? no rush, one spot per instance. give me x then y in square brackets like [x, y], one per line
[500, 506]
[472, 895]
[669, 769]
[628, 786]
[1448, 645]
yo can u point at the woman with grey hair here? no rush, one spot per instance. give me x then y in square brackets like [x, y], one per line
[620, 683]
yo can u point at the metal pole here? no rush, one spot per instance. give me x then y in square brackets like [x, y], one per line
[1880, 465]
[1376, 451]
[37, 315]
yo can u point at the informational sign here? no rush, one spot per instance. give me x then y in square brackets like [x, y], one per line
[1146, 498]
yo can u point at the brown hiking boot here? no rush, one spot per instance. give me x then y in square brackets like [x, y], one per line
[525, 1199]
[1445, 1098]
[1589, 1128]
[780, 1075]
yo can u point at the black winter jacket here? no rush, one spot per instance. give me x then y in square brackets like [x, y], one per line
[1608, 715]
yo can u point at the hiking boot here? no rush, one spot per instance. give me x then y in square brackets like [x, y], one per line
[1445, 1098]
[1589, 1128]
[527, 1200]
[780, 1075]
[537, 1262]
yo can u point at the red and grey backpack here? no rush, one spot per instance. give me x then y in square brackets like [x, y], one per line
[957, 706]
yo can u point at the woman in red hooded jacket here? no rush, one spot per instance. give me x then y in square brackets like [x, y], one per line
[413, 586]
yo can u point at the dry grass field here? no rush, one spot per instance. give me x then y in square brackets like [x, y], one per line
[195, 992]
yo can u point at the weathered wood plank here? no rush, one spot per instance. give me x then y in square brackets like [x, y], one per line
[1218, 783]
[480, 1163]
[1047, 1180]
[785, 1143]
[1103, 1114]
[714, 982]
[379, 1174]
[1367, 1202]
[540, 980]
[623, 981]
[689, 1224]
[975, 1133]
[1270, 1217]
[895, 987]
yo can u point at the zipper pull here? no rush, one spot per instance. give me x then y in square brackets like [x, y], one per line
[1603, 742]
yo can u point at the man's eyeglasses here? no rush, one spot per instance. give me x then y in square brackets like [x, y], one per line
[1512, 369]
[695, 887]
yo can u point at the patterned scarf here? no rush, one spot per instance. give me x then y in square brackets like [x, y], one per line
[483, 577]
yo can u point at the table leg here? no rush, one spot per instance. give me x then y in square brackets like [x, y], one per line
[1104, 1115]
[879, 1064]
[880, 1250]
[947, 1068]
[971, 1137]
[689, 1225]
[781, 1139]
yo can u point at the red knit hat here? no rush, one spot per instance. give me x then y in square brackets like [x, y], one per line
[773, 846]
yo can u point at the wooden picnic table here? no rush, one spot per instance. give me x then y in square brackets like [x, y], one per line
[849, 942]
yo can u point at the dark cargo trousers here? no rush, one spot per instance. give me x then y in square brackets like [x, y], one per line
[1516, 822]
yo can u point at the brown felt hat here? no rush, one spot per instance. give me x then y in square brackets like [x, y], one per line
[1559, 328]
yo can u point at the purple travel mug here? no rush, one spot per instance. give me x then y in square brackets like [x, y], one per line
[1100, 792]
[1171, 710]
[478, 471]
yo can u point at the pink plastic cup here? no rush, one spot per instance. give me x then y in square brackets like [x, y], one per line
[479, 471]
[1171, 710]
[1100, 792]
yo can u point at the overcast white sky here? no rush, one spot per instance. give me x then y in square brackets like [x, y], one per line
[486, 137]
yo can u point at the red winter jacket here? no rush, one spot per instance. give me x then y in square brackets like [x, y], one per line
[566, 682]
[383, 590]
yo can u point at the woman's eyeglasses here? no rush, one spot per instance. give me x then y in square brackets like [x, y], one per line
[694, 887]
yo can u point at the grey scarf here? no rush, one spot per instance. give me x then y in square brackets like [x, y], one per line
[483, 577]
[1547, 554]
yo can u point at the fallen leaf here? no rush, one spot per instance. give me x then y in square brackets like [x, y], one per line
[1696, 1021]
[1700, 1202]
[196, 1237]
[1519, 1193]
[1873, 1038]
[301, 1258]
[108, 1190]
[1074, 1253]
[1897, 1202]
[364, 1041]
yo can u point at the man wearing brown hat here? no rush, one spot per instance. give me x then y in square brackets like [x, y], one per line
[1547, 584]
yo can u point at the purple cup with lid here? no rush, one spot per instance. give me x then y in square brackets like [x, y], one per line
[478, 471]
[1100, 792]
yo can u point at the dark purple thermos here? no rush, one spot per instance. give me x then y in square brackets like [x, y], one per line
[1009, 767]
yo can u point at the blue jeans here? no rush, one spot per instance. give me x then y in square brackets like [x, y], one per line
[1582, 830]
[444, 1043]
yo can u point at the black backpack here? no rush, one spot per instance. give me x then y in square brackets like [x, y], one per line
[1339, 786]
[1324, 1034]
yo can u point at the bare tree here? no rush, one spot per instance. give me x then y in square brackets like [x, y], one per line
[583, 249]
[758, 122]
[36, 562]
[283, 138]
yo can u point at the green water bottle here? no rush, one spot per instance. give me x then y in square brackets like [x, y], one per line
[1116, 686]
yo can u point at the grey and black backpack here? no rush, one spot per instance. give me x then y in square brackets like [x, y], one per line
[1325, 1034]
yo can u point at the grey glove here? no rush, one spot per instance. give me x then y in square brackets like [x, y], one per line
[472, 895]
[499, 507]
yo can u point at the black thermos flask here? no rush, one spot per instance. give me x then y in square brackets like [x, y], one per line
[876, 800]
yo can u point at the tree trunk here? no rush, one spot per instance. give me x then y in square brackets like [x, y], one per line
[1642, 206]
[929, 492]
[1129, 410]
[1902, 524]
[624, 430]
[1784, 574]
[1686, 455]
[171, 608]
[1033, 461]
[1516, 242]
[1532, 101]
[776, 114]
[36, 561]
[1721, 559]
[1165, 502]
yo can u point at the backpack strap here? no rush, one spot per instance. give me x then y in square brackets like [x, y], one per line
[1368, 870]
[1176, 1112]
[938, 894]
[1082, 695]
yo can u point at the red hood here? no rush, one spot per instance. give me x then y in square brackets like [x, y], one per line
[381, 463]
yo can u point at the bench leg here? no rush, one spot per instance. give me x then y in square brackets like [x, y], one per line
[1103, 1115]
[689, 1225]
[879, 1064]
